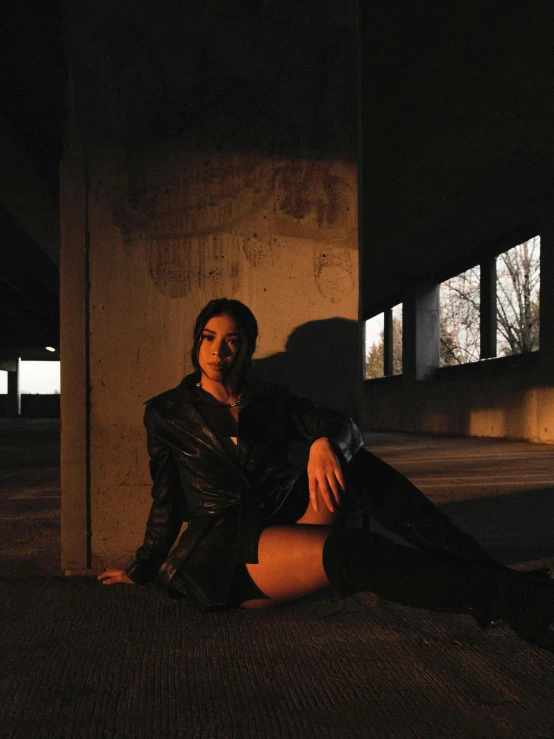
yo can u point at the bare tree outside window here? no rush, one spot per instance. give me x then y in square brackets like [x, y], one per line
[374, 347]
[375, 344]
[517, 314]
[518, 298]
[397, 339]
[460, 330]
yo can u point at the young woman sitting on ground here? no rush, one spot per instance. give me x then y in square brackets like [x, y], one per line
[259, 534]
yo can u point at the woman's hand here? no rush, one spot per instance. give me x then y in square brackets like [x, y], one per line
[112, 577]
[325, 476]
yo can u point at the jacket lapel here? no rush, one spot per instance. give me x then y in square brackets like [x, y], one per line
[252, 421]
[187, 410]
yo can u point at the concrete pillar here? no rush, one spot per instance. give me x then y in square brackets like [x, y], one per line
[544, 405]
[421, 333]
[388, 344]
[14, 399]
[546, 339]
[219, 189]
[74, 352]
[488, 309]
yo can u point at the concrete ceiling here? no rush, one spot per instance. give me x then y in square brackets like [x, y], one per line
[457, 136]
[457, 145]
[33, 82]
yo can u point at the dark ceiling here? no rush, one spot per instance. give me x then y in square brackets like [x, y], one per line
[457, 135]
[457, 107]
[33, 82]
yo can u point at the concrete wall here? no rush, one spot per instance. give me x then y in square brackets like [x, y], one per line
[242, 198]
[40, 406]
[32, 406]
[509, 397]
[501, 399]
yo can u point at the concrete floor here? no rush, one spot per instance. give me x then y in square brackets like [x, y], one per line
[500, 491]
[438, 675]
[30, 497]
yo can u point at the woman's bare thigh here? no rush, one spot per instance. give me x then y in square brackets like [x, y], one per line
[290, 563]
[322, 517]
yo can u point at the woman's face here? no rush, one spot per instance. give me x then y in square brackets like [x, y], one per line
[222, 350]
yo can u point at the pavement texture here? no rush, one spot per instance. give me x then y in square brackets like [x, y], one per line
[81, 660]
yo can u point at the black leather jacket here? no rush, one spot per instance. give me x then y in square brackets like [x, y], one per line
[196, 480]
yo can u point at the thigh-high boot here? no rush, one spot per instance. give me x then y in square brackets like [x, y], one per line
[392, 500]
[356, 561]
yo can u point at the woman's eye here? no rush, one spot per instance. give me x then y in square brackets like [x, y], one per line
[207, 337]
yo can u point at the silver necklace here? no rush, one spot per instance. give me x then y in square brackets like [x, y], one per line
[237, 402]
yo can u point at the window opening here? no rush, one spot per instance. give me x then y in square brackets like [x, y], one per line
[397, 339]
[383, 344]
[374, 347]
[39, 378]
[518, 298]
[460, 319]
[3, 382]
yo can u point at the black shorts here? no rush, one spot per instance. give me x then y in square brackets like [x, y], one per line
[243, 588]
[293, 508]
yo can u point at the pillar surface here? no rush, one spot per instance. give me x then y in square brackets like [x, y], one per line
[13, 400]
[421, 333]
[74, 353]
[208, 183]
[488, 309]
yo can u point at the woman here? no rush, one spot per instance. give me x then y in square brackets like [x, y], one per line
[259, 535]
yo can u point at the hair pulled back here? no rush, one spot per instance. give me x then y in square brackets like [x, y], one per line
[248, 327]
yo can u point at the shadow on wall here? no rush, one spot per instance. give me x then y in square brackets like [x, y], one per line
[320, 362]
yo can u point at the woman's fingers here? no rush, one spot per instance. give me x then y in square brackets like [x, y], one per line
[332, 491]
[109, 573]
[340, 485]
[329, 486]
[313, 488]
[113, 576]
[324, 475]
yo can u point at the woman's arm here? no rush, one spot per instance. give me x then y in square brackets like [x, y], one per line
[330, 435]
[311, 422]
[165, 518]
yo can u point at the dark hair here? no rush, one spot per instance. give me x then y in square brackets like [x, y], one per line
[248, 326]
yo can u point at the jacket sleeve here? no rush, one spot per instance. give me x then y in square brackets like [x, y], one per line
[165, 518]
[311, 422]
